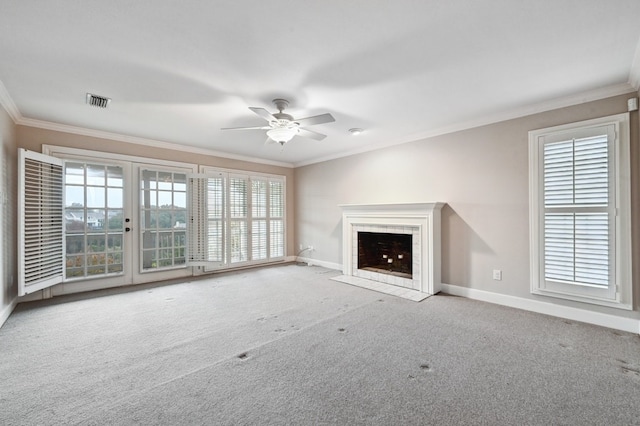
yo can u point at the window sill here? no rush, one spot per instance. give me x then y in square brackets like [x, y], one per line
[582, 299]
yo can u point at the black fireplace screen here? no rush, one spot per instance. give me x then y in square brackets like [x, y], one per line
[385, 253]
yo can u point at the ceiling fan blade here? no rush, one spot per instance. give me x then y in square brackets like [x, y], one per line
[246, 128]
[310, 134]
[316, 119]
[263, 113]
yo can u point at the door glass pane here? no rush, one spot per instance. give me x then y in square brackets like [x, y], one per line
[165, 180]
[96, 196]
[180, 199]
[163, 219]
[115, 220]
[95, 175]
[93, 219]
[74, 174]
[74, 196]
[180, 182]
[114, 177]
[114, 197]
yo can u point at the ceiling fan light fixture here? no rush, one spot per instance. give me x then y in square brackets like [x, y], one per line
[282, 135]
[355, 131]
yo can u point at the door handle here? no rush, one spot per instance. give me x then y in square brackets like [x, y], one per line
[127, 229]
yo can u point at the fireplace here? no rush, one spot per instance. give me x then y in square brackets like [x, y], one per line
[393, 245]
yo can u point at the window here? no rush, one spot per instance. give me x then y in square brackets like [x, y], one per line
[580, 212]
[242, 220]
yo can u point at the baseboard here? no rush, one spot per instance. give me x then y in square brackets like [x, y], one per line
[316, 262]
[4, 314]
[582, 315]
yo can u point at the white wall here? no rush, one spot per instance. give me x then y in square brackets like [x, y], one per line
[8, 194]
[482, 175]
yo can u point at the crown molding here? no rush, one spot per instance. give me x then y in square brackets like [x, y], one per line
[48, 125]
[593, 95]
[7, 103]
[583, 97]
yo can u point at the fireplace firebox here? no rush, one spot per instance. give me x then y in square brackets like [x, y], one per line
[386, 253]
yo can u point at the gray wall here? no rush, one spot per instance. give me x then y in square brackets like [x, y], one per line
[482, 175]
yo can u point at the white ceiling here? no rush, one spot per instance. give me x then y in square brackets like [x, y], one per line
[178, 71]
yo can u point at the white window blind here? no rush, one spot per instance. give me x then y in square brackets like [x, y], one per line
[259, 233]
[576, 218]
[276, 215]
[245, 220]
[580, 211]
[205, 232]
[40, 218]
[238, 227]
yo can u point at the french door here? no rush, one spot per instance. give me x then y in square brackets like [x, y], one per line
[96, 221]
[162, 217]
[109, 222]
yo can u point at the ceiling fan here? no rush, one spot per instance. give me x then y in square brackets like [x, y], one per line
[283, 127]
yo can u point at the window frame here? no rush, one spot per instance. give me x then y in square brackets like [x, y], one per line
[619, 292]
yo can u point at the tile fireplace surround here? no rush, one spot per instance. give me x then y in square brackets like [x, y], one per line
[421, 220]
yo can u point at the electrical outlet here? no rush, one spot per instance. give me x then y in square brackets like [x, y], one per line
[301, 247]
[497, 274]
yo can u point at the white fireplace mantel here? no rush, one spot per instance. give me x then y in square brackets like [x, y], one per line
[422, 218]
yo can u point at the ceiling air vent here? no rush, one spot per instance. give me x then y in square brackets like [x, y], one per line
[97, 101]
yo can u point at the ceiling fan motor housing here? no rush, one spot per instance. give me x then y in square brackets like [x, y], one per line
[281, 104]
[282, 117]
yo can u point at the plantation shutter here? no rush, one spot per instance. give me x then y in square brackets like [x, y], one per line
[276, 218]
[40, 222]
[238, 223]
[205, 229]
[578, 215]
[245, 219]
[259, 234]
